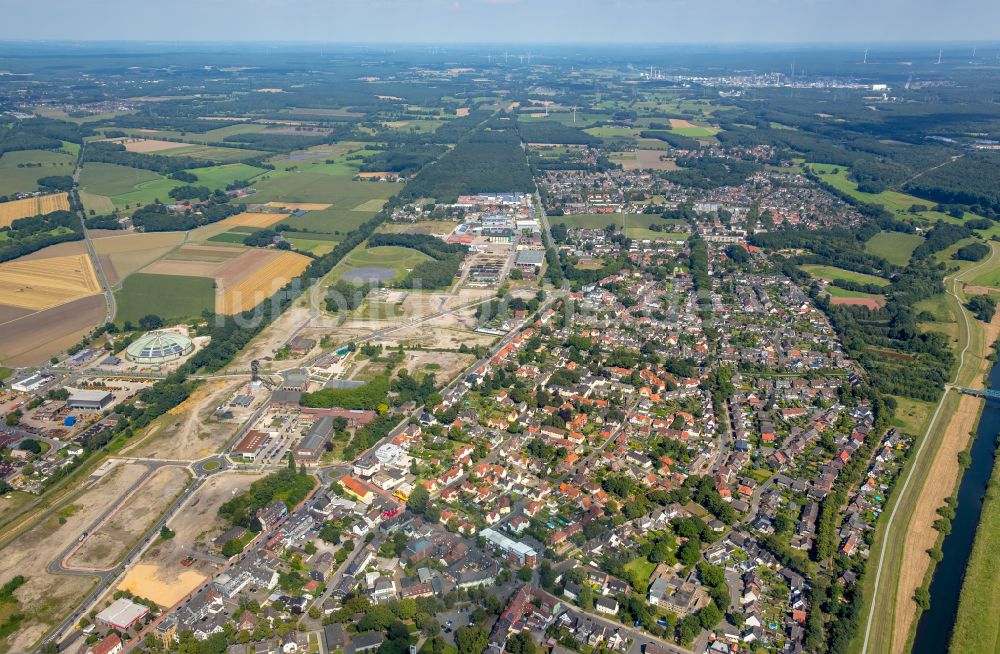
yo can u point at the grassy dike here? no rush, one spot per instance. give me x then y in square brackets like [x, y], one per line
[977, 626]
[891, 607]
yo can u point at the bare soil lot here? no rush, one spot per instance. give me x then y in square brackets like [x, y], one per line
[443, 365]
[46, 598]
[159, 574]
[103, 548]
[188, 432]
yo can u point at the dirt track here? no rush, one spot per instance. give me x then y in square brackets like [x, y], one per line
[47, 598]
[104, 547]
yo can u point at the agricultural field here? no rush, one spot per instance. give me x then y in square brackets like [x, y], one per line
[350, 203]
[212, 153]
[830, 273]
[28, 207]
[20, 170]
[894, 247]
[123, 255]
[30, 338]
[645, 160]
[38, 284]
[148, 146]
[125, 186]
[311, 245]
[218, 177]
[248, 219]
[202, 138]
[241, 288]
[179, 296]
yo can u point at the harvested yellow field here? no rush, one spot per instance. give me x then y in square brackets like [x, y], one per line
[146, 146]
[259, 284]
[44, 283]
[36, 206]
[146, 581]
[296, 206]
[680, 123]
[247, 219]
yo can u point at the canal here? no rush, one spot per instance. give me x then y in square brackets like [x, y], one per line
[937, 622]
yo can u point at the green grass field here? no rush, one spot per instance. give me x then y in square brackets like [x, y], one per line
[212, 153]
[317, 247]
[977, 626]
[891, 200]
[882, 628]
[125, 186]
[599, 220]
[836, 291]
[400, 260]
[14, 179]
[894, 247]
[219, 176]
[234, 235]
[211, 136]
[830, 273]
[351, 202]
[179, 296]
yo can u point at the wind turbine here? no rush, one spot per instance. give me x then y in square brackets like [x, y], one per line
[574, 114]
[939, 56]
[866, 57]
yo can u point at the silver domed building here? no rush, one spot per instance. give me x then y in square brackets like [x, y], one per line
[158, 347]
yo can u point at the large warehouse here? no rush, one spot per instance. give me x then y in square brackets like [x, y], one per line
[158, 348]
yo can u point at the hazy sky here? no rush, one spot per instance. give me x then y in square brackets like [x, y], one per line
[472, 21]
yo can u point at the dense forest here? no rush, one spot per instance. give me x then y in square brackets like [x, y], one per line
[405, 159]
[39, 134]
[157, 218]
[551, 131]
[489, 159]
[27, 235]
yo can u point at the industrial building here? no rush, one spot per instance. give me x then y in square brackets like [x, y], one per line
[90, 400]
[32, 383]
[516, 552]
[530, 259]
[251, 445]
[122, 614]
[311, 446]
[157, 348]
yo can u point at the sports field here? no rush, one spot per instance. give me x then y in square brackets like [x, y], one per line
[181, 297]
[44, 283]
[28, 207]
[894, 247]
